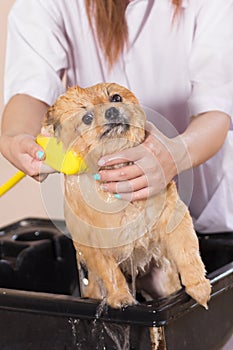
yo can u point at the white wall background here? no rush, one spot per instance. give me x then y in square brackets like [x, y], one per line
[28, 198]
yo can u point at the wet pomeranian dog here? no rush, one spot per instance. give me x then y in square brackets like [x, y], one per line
[117, 239]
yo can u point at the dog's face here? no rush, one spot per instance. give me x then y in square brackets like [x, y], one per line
[101, 119]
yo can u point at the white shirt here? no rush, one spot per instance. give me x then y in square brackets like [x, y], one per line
[179, 70]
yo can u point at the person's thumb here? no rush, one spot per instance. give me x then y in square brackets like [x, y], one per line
[29, 146]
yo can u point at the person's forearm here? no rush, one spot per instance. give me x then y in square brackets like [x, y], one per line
[203, 138]
[23, 115]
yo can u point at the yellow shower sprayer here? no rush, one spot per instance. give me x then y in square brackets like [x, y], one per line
[67, 162]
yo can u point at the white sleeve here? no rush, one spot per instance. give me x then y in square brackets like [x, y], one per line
[36, 51]
[211, 59]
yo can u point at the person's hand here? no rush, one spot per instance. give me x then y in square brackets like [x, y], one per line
[154, 165]
[25, 154]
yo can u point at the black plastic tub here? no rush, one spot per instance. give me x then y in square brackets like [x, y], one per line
[40, 305]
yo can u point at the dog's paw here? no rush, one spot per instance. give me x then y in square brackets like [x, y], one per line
[120, 299]
[200, 292]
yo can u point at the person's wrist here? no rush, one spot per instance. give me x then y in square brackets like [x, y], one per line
[180, 154]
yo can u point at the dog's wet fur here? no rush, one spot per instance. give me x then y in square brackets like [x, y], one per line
[100, 120]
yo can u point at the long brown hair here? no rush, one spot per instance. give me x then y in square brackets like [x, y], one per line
[107, 19]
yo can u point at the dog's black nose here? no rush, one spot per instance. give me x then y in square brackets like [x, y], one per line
[112, 114]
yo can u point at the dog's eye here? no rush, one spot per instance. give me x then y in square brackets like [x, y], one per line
[88, 118]
[115, 98]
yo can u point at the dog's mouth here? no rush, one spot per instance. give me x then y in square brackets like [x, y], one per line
[115, 129]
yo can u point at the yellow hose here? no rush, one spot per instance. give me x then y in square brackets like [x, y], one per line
[11, 182]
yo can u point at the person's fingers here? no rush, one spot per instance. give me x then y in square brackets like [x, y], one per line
[29, 146]
[128, 155]
[135, 196]
[153, 142]
[39, 170]
[150, 170]
[141, 158]
[43, 172]
[120, 174]
[126, 186]
[46, 169]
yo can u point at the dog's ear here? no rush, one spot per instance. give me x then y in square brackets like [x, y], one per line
[51, 123]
